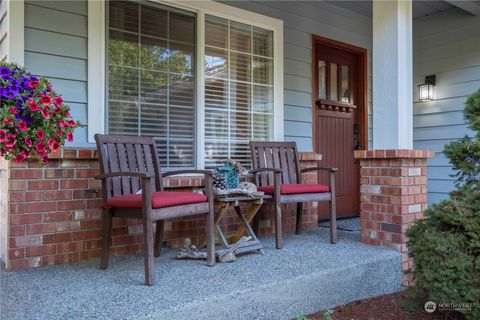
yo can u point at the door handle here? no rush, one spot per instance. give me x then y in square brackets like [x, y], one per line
[356, 145]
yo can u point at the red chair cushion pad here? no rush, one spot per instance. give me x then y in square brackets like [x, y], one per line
[296, 188]
[159, 200]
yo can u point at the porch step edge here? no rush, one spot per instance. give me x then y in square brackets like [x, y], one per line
[304, 294]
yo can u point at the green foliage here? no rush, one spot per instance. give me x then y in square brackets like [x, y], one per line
[328, 314]
[445, 246]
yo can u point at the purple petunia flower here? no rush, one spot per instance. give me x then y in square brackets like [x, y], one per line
[11, 93]
[27, 118]
[5, 73]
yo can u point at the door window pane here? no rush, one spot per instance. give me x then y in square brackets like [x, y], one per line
[322, 82]
[151, 78]
[333, 81]
[345, 90]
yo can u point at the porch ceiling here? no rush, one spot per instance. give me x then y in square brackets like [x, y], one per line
[420, 8]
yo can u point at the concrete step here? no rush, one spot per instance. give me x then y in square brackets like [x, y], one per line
[309, 274]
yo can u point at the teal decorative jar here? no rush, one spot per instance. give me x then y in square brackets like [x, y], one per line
[230, 174]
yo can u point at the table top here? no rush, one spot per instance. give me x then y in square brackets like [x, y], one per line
[241, 198]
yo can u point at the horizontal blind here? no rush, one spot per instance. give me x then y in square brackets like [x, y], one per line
[151, 78]
[238, 89]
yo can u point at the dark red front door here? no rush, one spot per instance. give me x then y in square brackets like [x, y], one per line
[336, 124]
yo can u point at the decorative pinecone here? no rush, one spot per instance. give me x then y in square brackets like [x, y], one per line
[219, 182]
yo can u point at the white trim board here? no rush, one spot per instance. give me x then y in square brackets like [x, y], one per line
[16, 31]
[96, 68]
[97, 64]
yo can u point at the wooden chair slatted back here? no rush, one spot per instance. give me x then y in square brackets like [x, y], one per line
[279, 155]
[127, 154]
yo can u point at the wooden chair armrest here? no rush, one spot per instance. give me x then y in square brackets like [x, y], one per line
[206, 173]
[331, 170]
[142, 175]
[274, 170]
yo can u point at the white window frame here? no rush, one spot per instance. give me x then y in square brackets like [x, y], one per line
[97, 67]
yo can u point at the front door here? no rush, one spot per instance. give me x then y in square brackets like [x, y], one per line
[336, 125]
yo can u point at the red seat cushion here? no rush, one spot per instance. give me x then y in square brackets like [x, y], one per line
[159, 200]
[296, 188]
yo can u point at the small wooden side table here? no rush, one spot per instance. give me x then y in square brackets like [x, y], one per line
[223, 204]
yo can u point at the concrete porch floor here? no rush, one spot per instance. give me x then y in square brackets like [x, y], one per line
[307, 275]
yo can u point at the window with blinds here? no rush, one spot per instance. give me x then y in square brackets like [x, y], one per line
[238, 89]
[151, 78]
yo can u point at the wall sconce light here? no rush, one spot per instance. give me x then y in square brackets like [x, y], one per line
[426, 90]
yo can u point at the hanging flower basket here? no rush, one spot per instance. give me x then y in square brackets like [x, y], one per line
[34, 121]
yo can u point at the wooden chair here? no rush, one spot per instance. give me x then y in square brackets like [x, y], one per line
[129, 164]
[277, 172]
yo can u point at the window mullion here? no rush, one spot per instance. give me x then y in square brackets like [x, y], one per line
[139, 72]
[251, 83]
[167, 142]
[200, 96]
[229, 98]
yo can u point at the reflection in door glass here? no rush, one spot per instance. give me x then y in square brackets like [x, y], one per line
[345, 90]
[333, 81]
[322, 84]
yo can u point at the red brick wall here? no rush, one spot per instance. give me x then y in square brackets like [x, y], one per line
[54, 214]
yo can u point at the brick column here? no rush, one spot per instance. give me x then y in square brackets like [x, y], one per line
[393, 195]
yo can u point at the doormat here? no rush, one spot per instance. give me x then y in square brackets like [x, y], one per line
[348, 224]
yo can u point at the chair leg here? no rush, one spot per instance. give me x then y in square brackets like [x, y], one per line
[298, 227]
[333, 221]
[211, 237]
[148, 249]
[159, 237]
[278, 226]
[107, 238]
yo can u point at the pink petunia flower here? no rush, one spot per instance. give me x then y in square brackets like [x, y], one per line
[13, 110]
[53, 144]
[44, 160]
[28, 142]
[10, 140]
[62, 124]
[58, 101]
[60, 133]
[40, 134]
[45, 113]
[56, 110]
[33, 106]
[20, 157]
[3, 135]
[46, 100]
[32, 84]
[69, 137]
[40, 147]
[7, 120]
[71, 123]
[22, 125]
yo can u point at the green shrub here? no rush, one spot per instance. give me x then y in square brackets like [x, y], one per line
[445, 246]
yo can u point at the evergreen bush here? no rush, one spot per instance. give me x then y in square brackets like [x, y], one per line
[445, 246]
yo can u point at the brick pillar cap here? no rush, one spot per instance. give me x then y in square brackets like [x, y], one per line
[394, 154]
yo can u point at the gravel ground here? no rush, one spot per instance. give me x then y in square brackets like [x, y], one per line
[308, 274]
